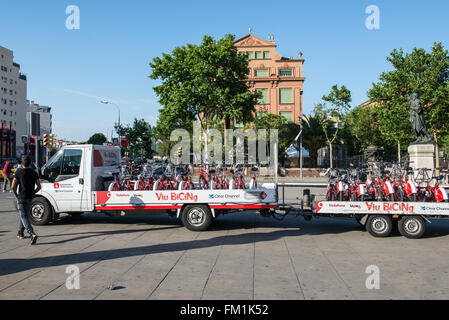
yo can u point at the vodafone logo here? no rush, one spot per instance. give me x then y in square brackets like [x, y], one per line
[319, 206]
[56, 186]
[263, 195]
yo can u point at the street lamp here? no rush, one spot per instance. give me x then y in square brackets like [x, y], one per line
[108, 102]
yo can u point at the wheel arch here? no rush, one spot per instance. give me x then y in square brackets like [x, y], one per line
[185, 205]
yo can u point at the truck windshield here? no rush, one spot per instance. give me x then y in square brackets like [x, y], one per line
[64, 165]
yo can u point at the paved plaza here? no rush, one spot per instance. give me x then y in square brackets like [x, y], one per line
[243, 256]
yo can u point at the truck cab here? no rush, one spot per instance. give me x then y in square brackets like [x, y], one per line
[69, 178]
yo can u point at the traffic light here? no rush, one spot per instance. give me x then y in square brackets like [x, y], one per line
[180, 152]
[51, 141]
[45, 140]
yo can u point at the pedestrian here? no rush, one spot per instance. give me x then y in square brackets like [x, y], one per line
[6, 173]
[28, 183]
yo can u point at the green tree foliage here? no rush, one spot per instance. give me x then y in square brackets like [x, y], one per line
[97, 139]
[139, 137]
[331, 112]
[203, 82]
[424, 73]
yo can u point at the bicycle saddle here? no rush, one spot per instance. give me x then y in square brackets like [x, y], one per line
[254, 169]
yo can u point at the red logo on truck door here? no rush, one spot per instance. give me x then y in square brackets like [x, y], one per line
[56, 186]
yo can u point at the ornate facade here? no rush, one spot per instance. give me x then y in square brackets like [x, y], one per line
[279, 79]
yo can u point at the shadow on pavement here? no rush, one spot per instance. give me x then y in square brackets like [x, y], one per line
[11, 266]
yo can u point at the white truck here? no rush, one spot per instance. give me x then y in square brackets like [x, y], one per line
[76, 180]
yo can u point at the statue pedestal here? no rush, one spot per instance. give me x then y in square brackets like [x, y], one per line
[422, 156]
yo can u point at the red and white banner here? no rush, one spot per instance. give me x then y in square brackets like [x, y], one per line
[393, 208]
[217, 199]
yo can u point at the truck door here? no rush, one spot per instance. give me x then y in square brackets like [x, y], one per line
[65, 175]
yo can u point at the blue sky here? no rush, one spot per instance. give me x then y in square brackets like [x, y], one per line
[71, 70]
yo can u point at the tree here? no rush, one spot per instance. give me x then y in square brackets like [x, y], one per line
[203, 82]
[313, 136]
[426, 74]
[140, 138]
[331, 116]
[97, 139]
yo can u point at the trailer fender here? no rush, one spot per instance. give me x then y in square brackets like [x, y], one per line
[178, 214]
[425, 219]
[364, 220]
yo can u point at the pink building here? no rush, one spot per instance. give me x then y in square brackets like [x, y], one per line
[279, 79]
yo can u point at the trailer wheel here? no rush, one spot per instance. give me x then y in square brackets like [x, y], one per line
[41, 212]
[379, 226]
[197, 217]
[412, 227]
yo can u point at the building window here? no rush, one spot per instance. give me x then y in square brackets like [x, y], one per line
[258, 55]
[261, 113]
[266, 54]
[261, 73]
[285, 95]
[250, 55]
[265, 97]
[285, 72]
[287, 115]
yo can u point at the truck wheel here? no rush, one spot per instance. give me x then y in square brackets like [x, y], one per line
[412, 227]
[197, 217]
[41, 212]
[379, 226]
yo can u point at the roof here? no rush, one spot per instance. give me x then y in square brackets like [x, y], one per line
[251, 40]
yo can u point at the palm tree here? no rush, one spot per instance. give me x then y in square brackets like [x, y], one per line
[313, 136]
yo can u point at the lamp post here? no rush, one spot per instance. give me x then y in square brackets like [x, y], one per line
[118, 109]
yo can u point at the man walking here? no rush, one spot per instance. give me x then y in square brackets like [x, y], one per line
[26, 179]
[6, 173]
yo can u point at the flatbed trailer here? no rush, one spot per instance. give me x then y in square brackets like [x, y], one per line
[380, 218]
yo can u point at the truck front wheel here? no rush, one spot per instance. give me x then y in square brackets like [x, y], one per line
[41, 212]
[197, 217]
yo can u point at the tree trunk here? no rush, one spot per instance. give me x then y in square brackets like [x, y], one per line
[331, 157]
[399, 152]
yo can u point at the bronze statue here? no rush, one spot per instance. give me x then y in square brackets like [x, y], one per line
[417, 120]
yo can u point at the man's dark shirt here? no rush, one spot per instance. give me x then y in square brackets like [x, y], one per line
[26, 179]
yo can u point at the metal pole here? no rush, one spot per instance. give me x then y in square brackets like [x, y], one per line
[301, 158]
[276, 162]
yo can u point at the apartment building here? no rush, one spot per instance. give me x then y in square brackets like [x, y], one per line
[13, 101]
[280, 79]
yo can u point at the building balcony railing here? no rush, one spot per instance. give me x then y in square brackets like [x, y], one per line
[22, 76]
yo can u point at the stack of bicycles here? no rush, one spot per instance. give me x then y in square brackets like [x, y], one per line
[213, 177]
[158, 179]
[163, 177]
[375, 183]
